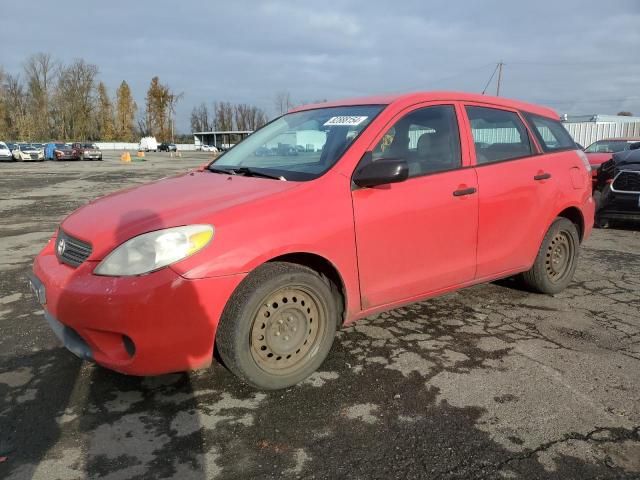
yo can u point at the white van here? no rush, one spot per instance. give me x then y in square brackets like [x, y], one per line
[148, 144]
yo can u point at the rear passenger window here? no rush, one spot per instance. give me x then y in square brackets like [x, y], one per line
[498, 135]
[550, 133]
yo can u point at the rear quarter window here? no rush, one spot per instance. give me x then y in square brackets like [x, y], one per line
[550, 133]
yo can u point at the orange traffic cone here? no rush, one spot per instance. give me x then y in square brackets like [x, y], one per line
[125, 157]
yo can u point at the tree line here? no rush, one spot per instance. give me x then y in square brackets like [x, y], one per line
[50, 100]
[224, 116]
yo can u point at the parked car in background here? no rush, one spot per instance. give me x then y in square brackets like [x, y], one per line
[27, 152]
[5, 152]
[86, 151]
[168, 147]
[59, 151]
[617, 194]
[209, 148]
[148, 144]
[426, 195]
[602, 150]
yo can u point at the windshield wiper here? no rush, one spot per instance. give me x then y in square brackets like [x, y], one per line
[246, 171]
[249, 172]
[221, 170]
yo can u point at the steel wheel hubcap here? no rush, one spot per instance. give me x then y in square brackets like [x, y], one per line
[286, 330]
[559, 255]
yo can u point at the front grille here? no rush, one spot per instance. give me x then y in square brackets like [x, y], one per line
[70, 250]
[34, 156]
[627, 182]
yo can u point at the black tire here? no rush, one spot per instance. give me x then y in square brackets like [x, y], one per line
[275, 344]
[557, 259]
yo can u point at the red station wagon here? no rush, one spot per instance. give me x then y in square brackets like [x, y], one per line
[329, 213]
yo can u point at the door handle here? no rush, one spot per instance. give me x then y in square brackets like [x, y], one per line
[464, 191]
[542, 176]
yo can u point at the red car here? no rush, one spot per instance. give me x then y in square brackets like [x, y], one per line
[391, 200]
[602, 150]
[86, 151]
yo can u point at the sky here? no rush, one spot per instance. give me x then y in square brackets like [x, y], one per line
[576, 56]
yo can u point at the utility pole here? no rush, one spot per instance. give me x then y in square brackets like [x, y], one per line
[500, 65]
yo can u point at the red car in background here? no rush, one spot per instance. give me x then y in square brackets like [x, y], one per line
[86, 151]
[391, 200]
[602, 150]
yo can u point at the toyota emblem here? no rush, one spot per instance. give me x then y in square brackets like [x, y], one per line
[62, 245]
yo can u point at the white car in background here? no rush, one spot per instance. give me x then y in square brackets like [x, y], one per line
[26, 152]
[209, 148]
[5, 153]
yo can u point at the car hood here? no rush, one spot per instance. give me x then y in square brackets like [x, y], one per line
[596, 159]
[627, 160]
[194, 197]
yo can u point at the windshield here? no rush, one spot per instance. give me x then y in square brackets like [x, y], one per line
[60, 145]
[608, 146]
[88, 145]
[301, 145]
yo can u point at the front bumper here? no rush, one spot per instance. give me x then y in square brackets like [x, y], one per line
[618, 205]
[65, 156]
[147, 325]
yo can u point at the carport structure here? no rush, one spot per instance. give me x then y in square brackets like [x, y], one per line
[220, 138]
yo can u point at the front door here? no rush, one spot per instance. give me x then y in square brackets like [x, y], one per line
[418, 236]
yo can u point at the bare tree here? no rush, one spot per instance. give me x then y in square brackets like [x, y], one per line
[223, 116]
[200, 119]
[283, 102]
[76, 99]
[249, 117]
[19, 126]
[40, 71]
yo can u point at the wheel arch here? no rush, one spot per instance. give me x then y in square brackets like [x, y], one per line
[321, 265]
[574, 215]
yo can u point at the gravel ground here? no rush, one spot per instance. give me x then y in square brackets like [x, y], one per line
[488, 382]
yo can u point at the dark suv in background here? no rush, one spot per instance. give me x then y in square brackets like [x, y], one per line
[617, 190]
[167, 147]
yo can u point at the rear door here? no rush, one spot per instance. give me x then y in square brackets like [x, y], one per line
[517, 188]
[418, 236]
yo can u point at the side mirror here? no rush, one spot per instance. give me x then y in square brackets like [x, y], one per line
[381, 172]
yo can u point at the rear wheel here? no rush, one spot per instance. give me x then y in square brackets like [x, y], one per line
[279, 325]
[557, 259]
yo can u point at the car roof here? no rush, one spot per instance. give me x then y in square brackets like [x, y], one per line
[418, 97]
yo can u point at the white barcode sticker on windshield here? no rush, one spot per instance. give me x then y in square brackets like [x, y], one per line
[345, 121]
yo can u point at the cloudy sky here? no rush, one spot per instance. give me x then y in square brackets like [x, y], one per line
[577, 56]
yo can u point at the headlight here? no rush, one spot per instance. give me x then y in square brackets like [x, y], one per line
[155, 250]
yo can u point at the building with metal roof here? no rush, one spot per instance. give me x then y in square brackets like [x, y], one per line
[220, 138]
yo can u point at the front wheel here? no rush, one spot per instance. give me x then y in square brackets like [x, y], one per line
[557, 259]
[279, 325]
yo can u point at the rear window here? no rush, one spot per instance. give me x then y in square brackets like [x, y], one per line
[550, 133]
